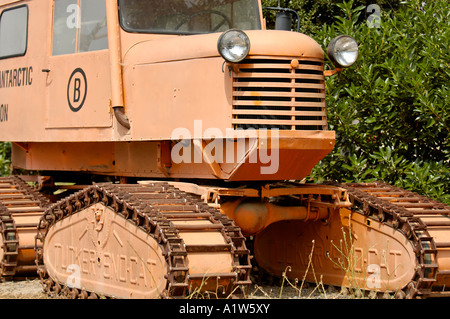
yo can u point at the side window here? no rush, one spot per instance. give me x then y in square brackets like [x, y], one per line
[65, 27]
[13, 32]
[79, 26]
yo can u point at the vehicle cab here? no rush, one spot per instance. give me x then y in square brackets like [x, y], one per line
[112, 87]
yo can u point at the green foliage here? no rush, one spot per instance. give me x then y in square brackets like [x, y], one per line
[314, 13]
[390, 110]
[5, 158]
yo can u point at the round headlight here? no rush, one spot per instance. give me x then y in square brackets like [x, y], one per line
[343, 51]
[233, 45]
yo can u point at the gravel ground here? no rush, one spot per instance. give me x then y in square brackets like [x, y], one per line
[22, 289]
[31, 288]
[308, 292]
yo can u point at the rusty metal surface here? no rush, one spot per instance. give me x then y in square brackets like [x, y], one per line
[185, 228]
[20, 210]
[391, 240]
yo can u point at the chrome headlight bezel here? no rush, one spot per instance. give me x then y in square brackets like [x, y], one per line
[343, 51]
[233, 45]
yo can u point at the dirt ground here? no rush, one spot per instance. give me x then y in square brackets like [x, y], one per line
[31, 288]
[22, 289]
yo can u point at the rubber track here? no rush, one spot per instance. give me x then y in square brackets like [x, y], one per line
[404, 211]
[148, 207]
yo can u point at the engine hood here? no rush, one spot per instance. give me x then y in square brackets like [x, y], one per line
[262, 43]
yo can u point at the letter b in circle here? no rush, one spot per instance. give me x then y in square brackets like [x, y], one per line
[77, 90]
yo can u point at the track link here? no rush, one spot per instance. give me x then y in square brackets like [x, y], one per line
[163, 212]
[424, 222]
[20, 210]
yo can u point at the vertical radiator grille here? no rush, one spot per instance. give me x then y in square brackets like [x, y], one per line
[276, 93]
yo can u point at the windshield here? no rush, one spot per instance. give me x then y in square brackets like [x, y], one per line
[188, 16]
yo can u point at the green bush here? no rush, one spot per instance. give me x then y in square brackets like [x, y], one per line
[314, 13]
[390, 110]
[5, 158]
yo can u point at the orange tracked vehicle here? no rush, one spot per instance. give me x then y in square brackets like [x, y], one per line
[177, 130]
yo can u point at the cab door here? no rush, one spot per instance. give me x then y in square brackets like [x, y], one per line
[78, 77]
